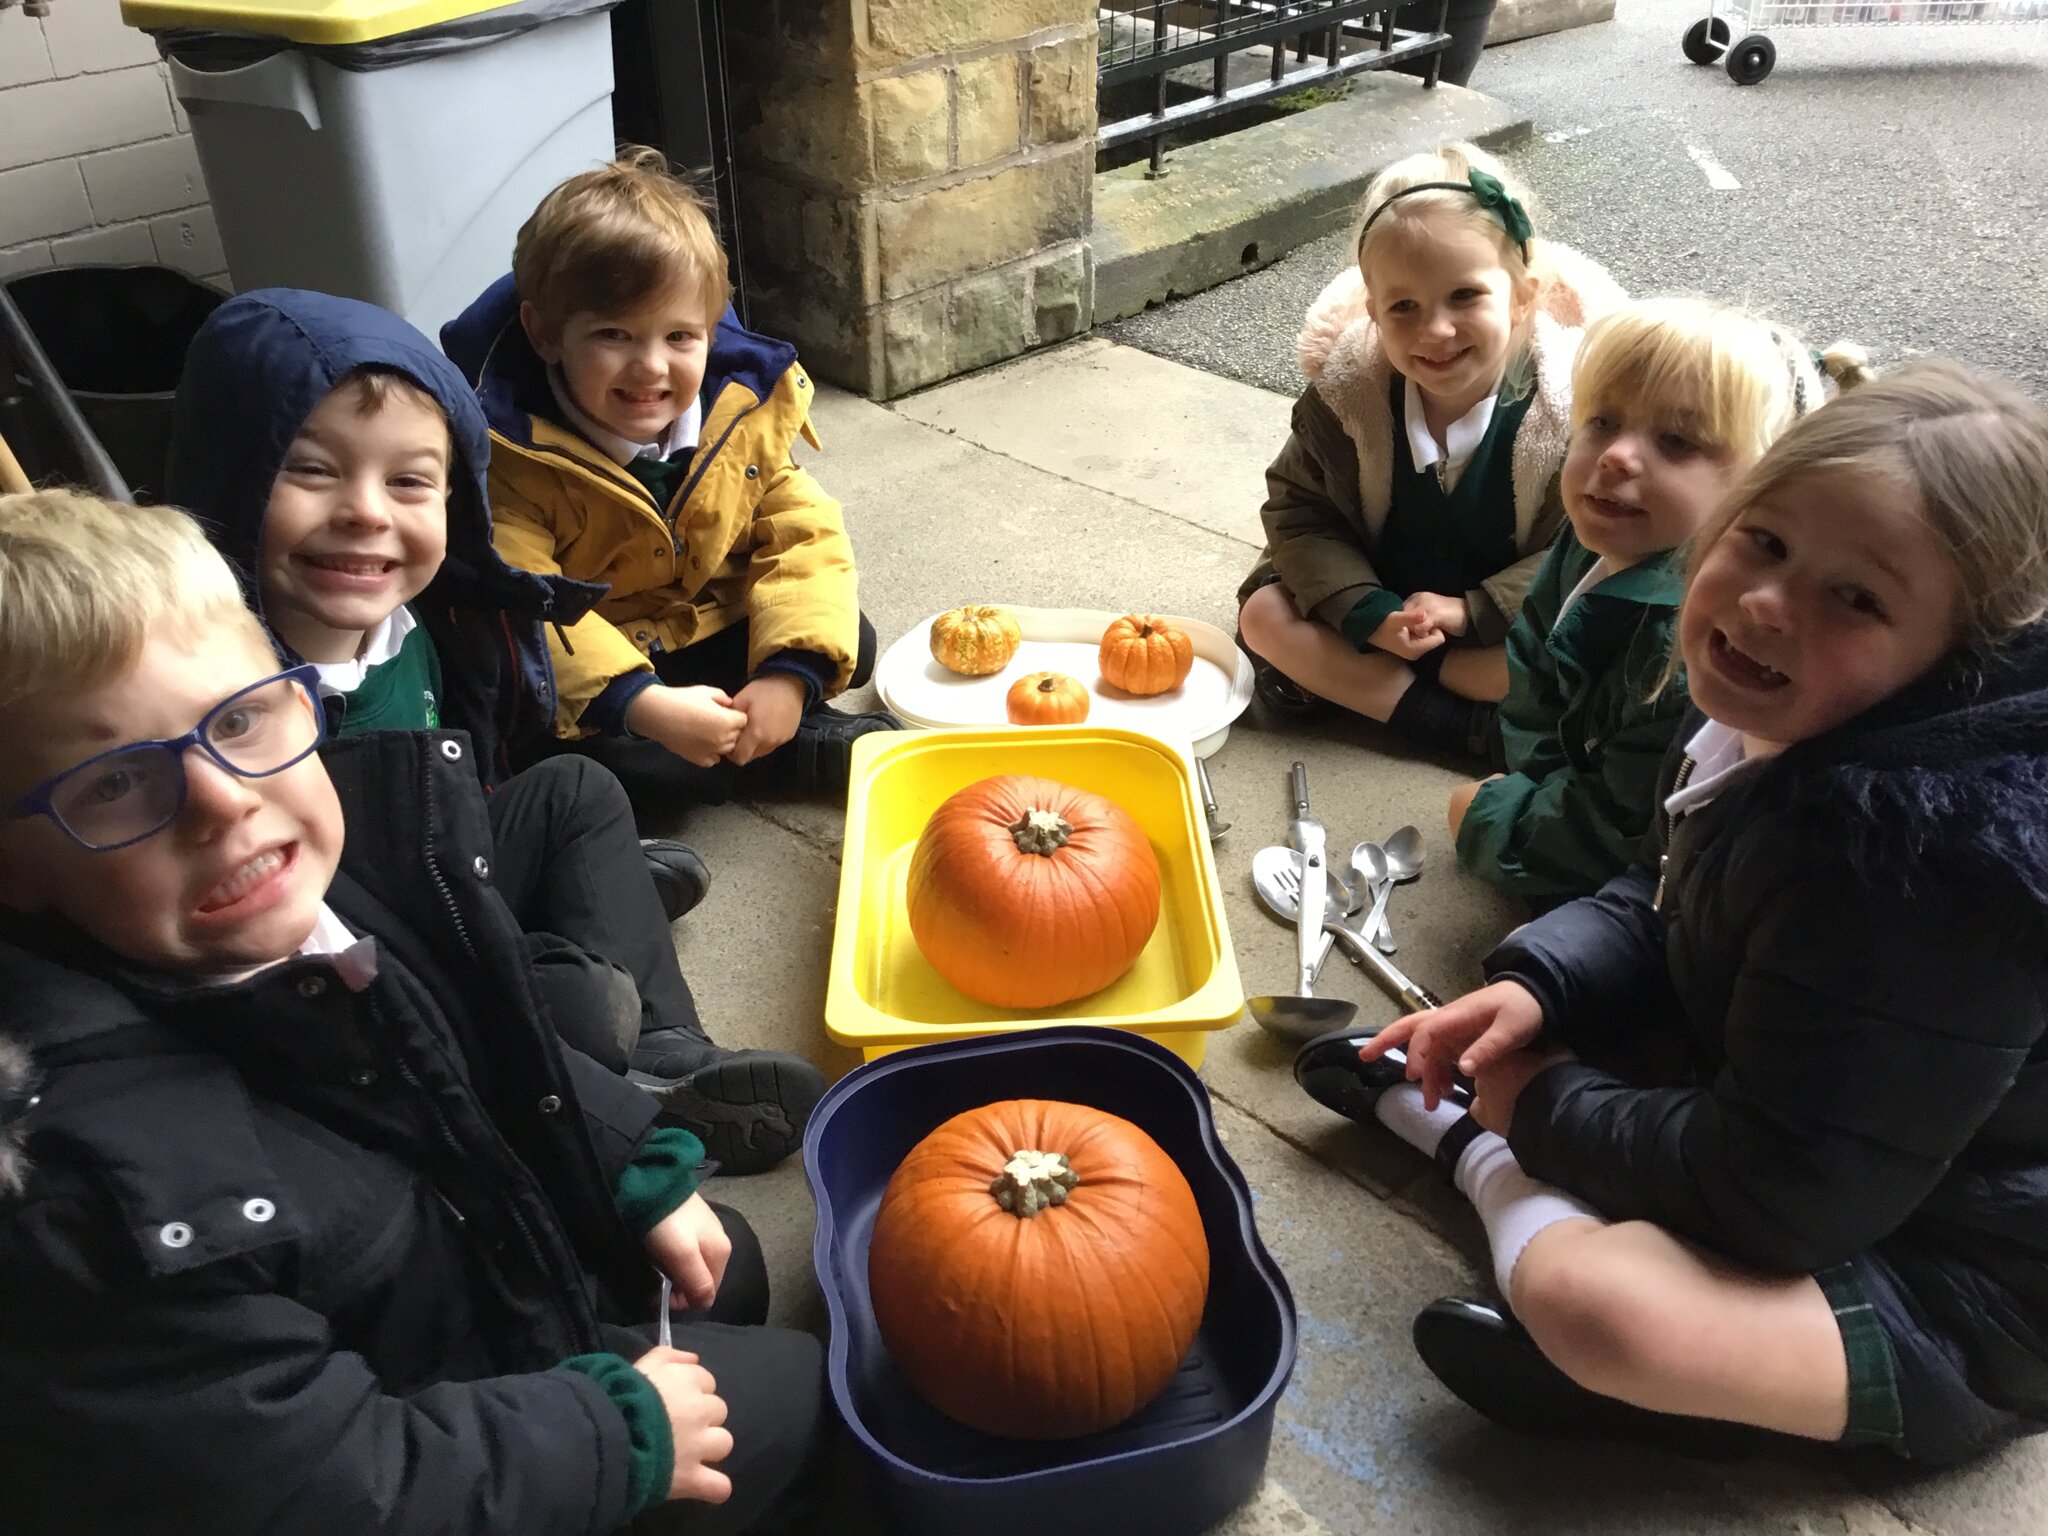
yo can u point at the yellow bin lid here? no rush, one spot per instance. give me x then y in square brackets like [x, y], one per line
[303, 21]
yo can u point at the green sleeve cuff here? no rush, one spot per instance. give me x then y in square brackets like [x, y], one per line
[654, 1448]
[1368, 614]
[662, 1175]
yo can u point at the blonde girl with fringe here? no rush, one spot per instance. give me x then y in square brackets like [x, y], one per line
[1672, 398]
[1417, 492]
[1826, 1214]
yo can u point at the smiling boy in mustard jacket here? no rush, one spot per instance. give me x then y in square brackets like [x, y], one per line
[642, 438]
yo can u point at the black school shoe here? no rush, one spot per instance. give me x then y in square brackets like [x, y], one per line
[680, 876]
[1329, 1071]
[1281, 694]
[1490, 1363]
[749, 1108]
[819, 758]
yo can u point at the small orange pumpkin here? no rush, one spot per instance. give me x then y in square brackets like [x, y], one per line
[1047, 698]
[1143, 654]
[1038, 1269]
[976, 640]
[1024, 892]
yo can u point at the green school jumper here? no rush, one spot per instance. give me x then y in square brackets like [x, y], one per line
[1438, 541]
[402, 694]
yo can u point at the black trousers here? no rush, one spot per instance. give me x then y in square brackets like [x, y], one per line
[773, 1383]
[650, 770]
[569, 864]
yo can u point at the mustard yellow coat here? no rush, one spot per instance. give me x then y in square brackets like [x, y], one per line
[749, 535]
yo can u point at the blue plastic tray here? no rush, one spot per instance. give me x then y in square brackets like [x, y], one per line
[1183, 1463]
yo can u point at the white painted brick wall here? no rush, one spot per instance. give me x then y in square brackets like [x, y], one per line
[96, 159]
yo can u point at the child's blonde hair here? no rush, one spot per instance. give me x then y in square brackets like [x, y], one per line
[1972, 452]
[610, 240]
[1454, 162]
[85, 583]
[1720, 376]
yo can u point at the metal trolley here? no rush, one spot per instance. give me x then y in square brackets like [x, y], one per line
[1713, 39]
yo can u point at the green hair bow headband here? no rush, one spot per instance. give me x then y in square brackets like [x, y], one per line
[1491, 196]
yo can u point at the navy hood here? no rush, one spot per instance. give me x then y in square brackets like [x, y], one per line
[1949, 773]
[260, 366]
[487, 342]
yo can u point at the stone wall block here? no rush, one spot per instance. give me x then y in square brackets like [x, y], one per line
[917, 343]
[962, 229]
[991, 317]
[1062, 295]
[913, 29]
[910, 126]
[988, 110]
[1059, 85]
[819, 127]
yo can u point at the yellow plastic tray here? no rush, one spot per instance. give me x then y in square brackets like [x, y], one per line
[883, 996]
[303, 21]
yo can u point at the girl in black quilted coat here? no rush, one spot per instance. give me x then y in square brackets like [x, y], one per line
[1785, 1085]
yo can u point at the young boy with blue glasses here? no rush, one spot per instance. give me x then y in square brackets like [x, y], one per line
[312, 1223]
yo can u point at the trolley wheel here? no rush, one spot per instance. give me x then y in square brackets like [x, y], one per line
[1751, 59]
[1706, 39]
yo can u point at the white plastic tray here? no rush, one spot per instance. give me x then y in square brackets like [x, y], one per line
[921, 692]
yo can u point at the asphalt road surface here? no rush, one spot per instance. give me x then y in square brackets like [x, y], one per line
[1886, 184]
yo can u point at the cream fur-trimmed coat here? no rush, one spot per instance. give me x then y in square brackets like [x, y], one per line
[1330, 489]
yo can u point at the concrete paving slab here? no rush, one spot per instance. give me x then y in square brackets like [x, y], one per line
[1174, 439]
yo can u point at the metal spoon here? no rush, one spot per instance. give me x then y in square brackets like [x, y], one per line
[1404, 854]
[1369, 863]
[1404, 863]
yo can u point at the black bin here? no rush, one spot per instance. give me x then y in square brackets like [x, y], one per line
[115, 338]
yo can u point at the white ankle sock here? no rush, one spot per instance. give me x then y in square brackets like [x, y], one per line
[1400, 1110]
[1512, 1206]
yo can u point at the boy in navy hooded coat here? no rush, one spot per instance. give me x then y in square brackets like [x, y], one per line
[339, 460]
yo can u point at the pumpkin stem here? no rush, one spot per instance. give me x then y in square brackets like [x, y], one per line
[1144, 631]
[1042, 832]
[1031, 1181]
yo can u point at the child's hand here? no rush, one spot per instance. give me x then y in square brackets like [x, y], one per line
[1398, 636]
[1499, 1087]
[696, 1421]
[691, 1248]
[773, 705]
[1468, 1036]
[1431, 612]
[699, 725]
[1462, 798]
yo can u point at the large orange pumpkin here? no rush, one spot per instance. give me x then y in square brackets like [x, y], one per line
[1143, 654]
[976, 640]
[1046, 698]
[1024, 892]
[1038, 1269]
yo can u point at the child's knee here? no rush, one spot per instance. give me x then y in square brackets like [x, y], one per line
[1588, 1315]
[1266, 614]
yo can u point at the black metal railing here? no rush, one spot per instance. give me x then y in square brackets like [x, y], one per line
[1254, 49]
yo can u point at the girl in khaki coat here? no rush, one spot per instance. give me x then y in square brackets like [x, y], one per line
[1417, 493]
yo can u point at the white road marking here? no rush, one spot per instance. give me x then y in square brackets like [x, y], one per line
[1715, 172]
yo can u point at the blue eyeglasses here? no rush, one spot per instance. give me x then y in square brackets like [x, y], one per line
[129, 793]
